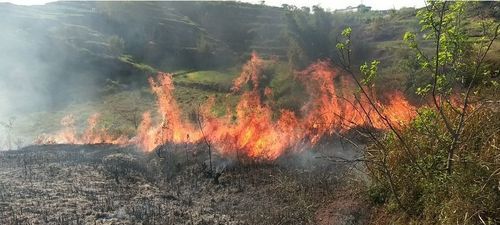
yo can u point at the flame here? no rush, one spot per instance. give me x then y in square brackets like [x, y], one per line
[252, 130]
[334, 106]
[92, 134]
[339, 108]
[172, 127]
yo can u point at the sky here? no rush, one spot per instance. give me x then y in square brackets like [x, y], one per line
[328, 4]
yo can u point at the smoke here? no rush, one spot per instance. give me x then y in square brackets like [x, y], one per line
[65, 52]
[333, 151]
[38, 72]
[59, 53]
[23, 75]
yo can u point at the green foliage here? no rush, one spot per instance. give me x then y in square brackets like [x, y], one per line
[467, 196]
[139, 66]
[443, 167]
[344, 47]
[347, 32]
[313, 33]
[378, 194]
[441, 23]
[369, 72]
[308, 34]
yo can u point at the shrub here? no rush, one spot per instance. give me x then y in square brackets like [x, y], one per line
[470, 195]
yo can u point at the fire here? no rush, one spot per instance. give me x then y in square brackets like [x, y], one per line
[334, 106]
[252, 130]
[340, 107]
[173, 128]
[92, 134]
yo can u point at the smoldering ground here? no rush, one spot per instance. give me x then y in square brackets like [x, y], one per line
[170, 187]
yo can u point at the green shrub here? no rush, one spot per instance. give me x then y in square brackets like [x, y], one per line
[470, 195]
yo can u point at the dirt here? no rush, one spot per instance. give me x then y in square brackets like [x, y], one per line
[105, 184]
[347, 208]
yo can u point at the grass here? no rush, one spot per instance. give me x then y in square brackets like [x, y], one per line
[288, 93]
[189, 99]
[208, 77]
[28, 126]
[140, 66]
[111, 107]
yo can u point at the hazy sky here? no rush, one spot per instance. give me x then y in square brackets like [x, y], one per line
[329, 4]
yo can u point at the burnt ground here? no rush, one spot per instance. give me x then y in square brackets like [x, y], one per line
[105, 184]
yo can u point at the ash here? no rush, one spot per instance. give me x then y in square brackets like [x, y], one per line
[108, 184]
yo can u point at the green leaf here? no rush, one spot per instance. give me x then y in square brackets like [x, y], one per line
[340, 46]
[346, 32]
[369, 72]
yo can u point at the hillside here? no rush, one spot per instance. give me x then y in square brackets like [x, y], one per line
[67, 52]
[204, 113]
[73, 57]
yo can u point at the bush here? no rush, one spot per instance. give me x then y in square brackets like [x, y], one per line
[469, 195]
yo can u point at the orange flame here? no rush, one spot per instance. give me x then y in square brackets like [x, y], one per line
[91, 135]
[172, 127]
[334, 106]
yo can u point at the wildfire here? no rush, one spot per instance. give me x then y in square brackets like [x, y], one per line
[250, 130]
[334, 106]
[92, 134]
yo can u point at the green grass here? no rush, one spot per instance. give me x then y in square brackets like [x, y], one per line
[140, 66]
[28, 126]
[208, 77]
[288, 92]
[190, 99]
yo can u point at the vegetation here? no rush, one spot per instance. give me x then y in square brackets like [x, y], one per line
[97, 42]
[443, 167]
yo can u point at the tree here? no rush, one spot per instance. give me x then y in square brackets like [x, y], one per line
[456, 65]
[308, 34]
[363, 8]
[441, 167]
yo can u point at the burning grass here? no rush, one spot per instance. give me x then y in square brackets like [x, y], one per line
[255, 129]
[251, 129]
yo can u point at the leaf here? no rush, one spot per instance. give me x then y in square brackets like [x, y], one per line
[346, 32]
[340, 46]
[369, 72]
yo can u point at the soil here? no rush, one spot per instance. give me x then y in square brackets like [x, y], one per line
[106, 184]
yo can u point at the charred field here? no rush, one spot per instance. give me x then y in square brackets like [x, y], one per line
[109, 184]
[222, 112]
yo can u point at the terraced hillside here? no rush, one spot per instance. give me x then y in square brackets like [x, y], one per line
[83, 57]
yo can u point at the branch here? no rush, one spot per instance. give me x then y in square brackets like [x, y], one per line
[438, 31]
[205, 139]
[460, 127]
